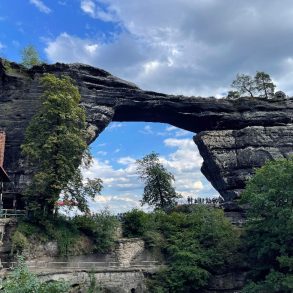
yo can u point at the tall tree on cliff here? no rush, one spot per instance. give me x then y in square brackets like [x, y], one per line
[264, 85]
[55, 146]
[244, 84]
[158, 190]
[261, 85]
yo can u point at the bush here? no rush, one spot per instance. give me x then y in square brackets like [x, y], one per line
[65, 233]
[101, 228]
[134, 223]
[196, 245]
[19, 242]
[23, 281]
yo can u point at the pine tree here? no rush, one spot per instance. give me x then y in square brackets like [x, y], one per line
[264, 85]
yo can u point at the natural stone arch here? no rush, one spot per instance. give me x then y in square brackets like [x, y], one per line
[233, 136]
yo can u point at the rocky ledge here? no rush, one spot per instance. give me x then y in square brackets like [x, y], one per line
[233, 136]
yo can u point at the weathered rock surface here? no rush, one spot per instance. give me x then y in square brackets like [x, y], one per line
[233, 136]
[231, 156]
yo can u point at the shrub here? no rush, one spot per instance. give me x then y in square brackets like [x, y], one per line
[100, 228]
[196, 245]
[66, 235]
[23, 281]
[134, 223]
[19, 242]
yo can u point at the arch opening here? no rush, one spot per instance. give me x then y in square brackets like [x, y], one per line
[122, 143]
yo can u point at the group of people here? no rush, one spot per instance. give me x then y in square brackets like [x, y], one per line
[215, 201]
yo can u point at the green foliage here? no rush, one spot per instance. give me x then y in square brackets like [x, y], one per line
[244, 84]
[232, 95]
[30, 57]
[55, 145]
[269, 230]
[134, 223]
[158, 190]
[101, 228]
[19, 242]
[74, 236]
[64, 233]
[23, 281]
[31, 229]
[196, 244]
[93, 286]
[261, 85]
[264, 85]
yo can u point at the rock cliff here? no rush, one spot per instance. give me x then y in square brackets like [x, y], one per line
[233, 136]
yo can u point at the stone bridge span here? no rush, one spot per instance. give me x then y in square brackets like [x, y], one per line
[233, 137]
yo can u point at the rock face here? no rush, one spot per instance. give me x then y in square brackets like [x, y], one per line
[233, 136]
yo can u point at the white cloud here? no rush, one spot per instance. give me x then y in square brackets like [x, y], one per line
[147, 130]
[185, 47]
[171, 128]
[88, 7]
[94, 10]
[115, 125]
[198, 185]
[102, 153]
[102, 199]
[2, 46]
[126, 160]
[41, 6]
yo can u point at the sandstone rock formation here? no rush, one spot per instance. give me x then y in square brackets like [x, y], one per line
[233, 136]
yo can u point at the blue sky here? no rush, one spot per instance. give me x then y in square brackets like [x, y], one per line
[189, 47]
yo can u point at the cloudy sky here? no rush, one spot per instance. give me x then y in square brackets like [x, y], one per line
[190, 47]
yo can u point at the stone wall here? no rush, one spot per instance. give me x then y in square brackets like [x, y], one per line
[122, 281]
[127, 250]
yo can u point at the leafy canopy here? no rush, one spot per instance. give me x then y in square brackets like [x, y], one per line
[30, 57]
[158, 190]
[269, 233]
[55, 146]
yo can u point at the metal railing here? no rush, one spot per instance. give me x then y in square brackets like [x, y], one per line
[9, 213]
[62, 265]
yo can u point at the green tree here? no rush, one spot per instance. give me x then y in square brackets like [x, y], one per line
[196, 246]
[30, 57]
[269, 233]
[264, 85]
[55, 146]
[158, 190]
[244, 84]
[261, 85]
